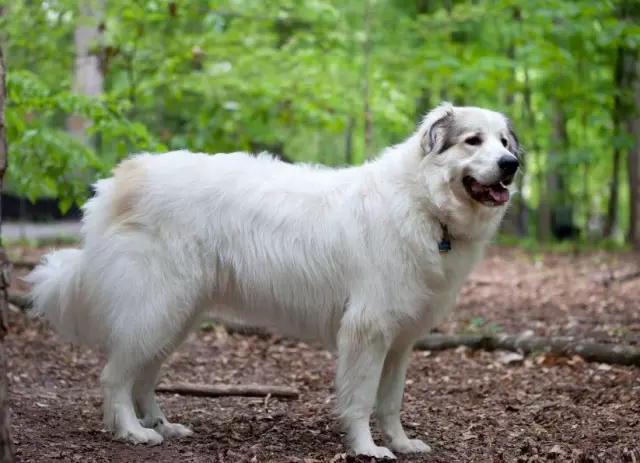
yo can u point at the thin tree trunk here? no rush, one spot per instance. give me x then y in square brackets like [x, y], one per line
[555, 208]
[513, 222]
[368, 118]
[423, 102]
[630, 102]
[548, 187]
[348, 142]
[7, 450]
[531, 122]
[633, 168]
[614, 190]
[87, 75]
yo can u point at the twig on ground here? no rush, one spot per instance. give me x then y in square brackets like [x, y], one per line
[246, 330]
[622, 278]
[617, 354]
[221, 390]
[28, 264]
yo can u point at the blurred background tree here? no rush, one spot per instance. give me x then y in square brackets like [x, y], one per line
[332, 82]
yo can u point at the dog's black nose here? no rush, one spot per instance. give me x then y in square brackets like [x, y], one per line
[508, 164]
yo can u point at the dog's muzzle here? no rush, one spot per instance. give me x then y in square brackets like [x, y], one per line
[508, 165]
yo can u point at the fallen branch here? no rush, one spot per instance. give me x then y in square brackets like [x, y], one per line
[222, 390]
[616, 354]
[244, 330]
[28, 264]
[20, 300]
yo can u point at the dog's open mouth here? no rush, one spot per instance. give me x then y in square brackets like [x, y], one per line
[496, 194]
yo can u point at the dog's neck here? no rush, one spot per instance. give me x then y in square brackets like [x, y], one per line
[466, 224]
[462, 221]
[444, 243]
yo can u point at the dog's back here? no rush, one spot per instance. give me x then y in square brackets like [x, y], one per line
[170, 236]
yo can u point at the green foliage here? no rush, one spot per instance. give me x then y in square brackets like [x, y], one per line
[243, 74]
[46, 159]
[478, 324]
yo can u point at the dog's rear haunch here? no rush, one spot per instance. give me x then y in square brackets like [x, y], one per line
[348, 257]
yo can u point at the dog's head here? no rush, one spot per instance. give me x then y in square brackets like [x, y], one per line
[474, 150]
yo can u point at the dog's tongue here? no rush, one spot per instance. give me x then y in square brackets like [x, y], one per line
[498, 193]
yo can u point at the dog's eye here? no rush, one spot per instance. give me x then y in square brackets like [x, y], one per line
[504, 142]
[473, 141]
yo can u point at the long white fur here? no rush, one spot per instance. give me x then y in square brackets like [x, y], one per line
[345, 257]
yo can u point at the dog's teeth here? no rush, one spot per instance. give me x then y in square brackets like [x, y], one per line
[503, 185]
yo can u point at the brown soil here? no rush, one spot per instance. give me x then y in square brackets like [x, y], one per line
[469, 406]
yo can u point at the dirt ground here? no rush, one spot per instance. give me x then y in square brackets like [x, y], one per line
[469, 406]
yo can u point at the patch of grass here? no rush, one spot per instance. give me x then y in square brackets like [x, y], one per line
[477, 324]
[59, 240]
[207, 326]
[531, 244]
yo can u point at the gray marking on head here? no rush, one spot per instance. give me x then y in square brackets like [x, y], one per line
[514, 142]
[437, 137]
[442, 127]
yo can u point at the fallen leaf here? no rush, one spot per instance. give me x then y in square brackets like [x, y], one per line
[575, 359]
[510, 358]
[556, 450]
[548, 358]
[468, 436]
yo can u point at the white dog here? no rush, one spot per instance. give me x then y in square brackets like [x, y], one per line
[362, 259]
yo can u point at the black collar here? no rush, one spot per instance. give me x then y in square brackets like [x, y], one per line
[444, 244]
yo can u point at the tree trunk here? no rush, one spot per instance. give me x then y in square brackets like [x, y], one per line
[348, 141]
[87, 76]
[513, 222]
[366, 90]
[630, 109]
[551, 183]
[633, 167]
[612, 207]
[556, 211]
[7, 451]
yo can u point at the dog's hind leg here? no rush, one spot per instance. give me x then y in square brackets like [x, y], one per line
[117, 380]
[362, 348]
[389, 399]
[149, 411]
[139, 343]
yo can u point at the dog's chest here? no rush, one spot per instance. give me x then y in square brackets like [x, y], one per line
[455, 266]
[459, 261]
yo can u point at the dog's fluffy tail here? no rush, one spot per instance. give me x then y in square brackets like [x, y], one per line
[56, 293]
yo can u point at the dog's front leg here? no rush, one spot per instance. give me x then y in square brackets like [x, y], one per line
[362, 348]
[389, 399]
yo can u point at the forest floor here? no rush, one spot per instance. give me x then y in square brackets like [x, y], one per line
[468, 405]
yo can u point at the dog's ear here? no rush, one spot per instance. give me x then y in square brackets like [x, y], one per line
[514, 143]
[436, 129]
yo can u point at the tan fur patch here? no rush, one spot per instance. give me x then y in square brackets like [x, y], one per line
[128, 177]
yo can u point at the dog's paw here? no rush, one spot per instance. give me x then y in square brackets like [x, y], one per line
[173, 430]
[164, 428]
[142, 436]
[374, 451]
[409, 446]
[150, 422]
